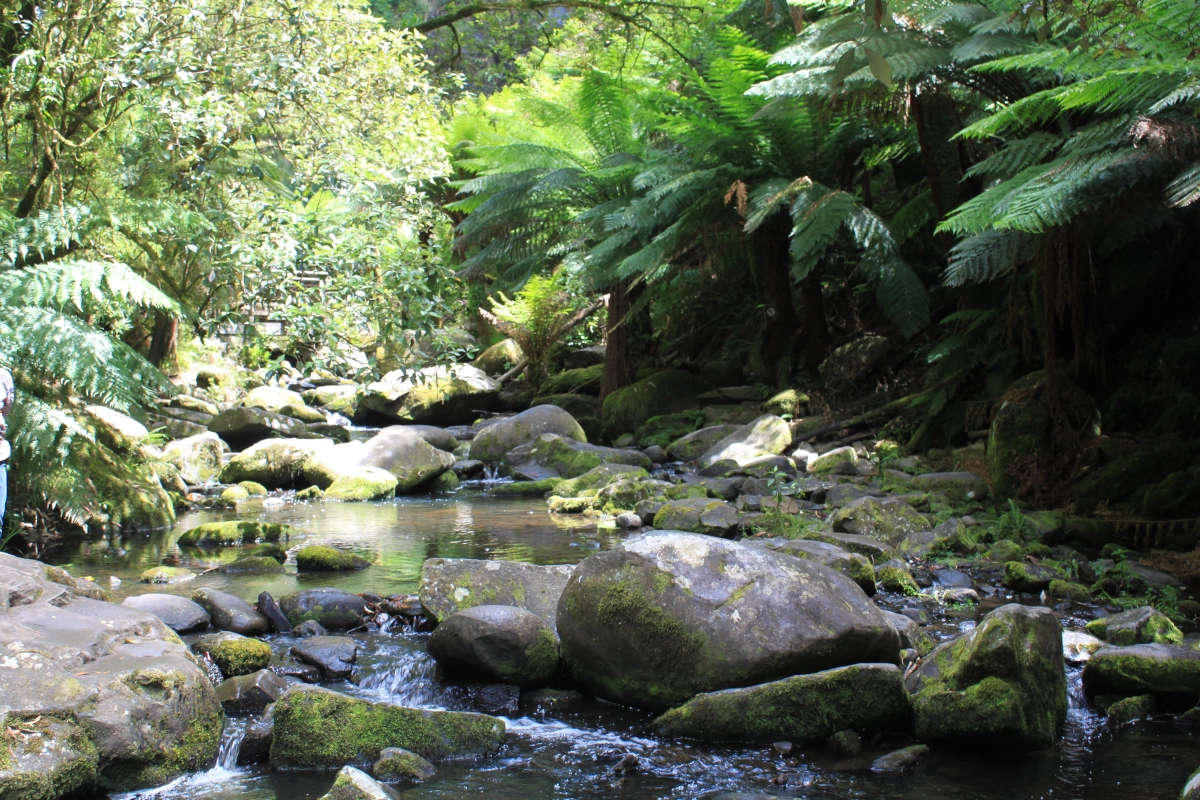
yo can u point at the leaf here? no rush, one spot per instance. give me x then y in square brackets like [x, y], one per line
[879, 67]
[843, 67]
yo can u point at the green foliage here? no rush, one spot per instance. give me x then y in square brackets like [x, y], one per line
[536, 318]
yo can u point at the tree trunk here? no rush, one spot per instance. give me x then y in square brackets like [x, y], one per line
[776, 354]
[816, 329]
[936, 124]
[163, 340]
[616, 373]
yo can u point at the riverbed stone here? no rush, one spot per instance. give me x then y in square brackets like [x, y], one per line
[251, 693]
[1143, 625]
[1003, 683]
[591, 482]
[551, 456]
[396, 764]
[665, 392]
[454, 584]
[493, 442]
[233, 653]
[198, 458]
[167, 575]
[441, 395]
[333, 655]
[499, 358]
[698, 515]
[363, 485]
[354, 784]
[234, 533]
[912, 636]
[667, 615]
[856, 567]
[256, 742]
[317, 558]
[1170, 673]
[839, 461]
[341, 399]
[885, 519]
[335, 609]
[106, 696]
[319, 729]
[231, 613]
[398, 449]
[900, 760]
[804, 709]
[766, 436]
[1020, 576]
[500, 643]
[254, 564]
[177, 613]
[243, 427]
[697, 443]
[958, 487]
[269, 608]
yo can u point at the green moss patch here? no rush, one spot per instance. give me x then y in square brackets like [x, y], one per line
[231, 534]
[328, 559]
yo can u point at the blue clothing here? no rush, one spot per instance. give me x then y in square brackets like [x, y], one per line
[3, 495]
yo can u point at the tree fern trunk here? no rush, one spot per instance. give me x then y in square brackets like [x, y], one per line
[816, 328]
[774, 361]
[163, 340]
[937, 122]
[616, 374]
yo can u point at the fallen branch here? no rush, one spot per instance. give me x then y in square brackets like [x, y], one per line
[862, 419]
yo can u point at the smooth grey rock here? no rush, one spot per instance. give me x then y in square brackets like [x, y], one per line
[399, 449]
[333, 655]
[453, 584]
[256, 743]
[441, 395]
[497, 643]
[250, 694]
[310, 627]
[177, 613]
[697, 443]
[495, 441]
[290, 668]
[354, 784]
[270, 609]
[900, 760]
[335, 609]
[230, 613]
[628, 520]
[243, 427]
[959, 487]
[885, 519]
[768, 435]
[953, 579]
[697, 515]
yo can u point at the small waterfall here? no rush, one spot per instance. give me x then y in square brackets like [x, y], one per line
[1075, 695]
[231, 742]
[491, 473]
[406, 681]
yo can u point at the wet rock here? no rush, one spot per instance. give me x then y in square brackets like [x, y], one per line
[319, 729]
[443, 395]
[340, 399]
[454, 584]
[953, 579]
[959, 596]
[855, 567]
[845, 743]
[1131, 709]
[363, 485]
[667, 615]
[766, 436]
[900, 760]
[252, 693]
[666, 392]
[1078, 647]
[396, 764]
[333, 655]
[1002, 683]
[496, 440]
[697, 443]
[1142, 625]
[885, 519]
[958, 487]
[895, 578]
[1191, 790]
[495, 698]
[164, 575]
[274, 463]
[177, 613]
[109, 698]
[500, 643]
[1004, 551]
[628, 520]
[854, 543]
[269, 608]
[468, 469]
[1170, 673]
[553, 456]
[243, 427]
[627, 765]
[544, 699]
[911, 635]
[230, 613]
[804, 708]
[233, 653]
[290, 668]
[233, 534]
[310, 627]
[839, 461]
[354, 784]
[399, 449]
[328, 559]
[1029, 578]
[256, 742]
[697, 515]
[333, 608]
[271, 398]
[198, 458]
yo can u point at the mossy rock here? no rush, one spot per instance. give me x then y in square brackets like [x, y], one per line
[804, 709]
[885, 519]
[1030, 578]
[624, 495]
[261, 564]
[697, 443]
[1003, 683]
[269, 550]
[667, 428]
[595, 479]
[235, 494]
[333, 609]
[1147, 464]
[670, 391]
[317, 558]
[789, 402]
[1069, 590]
[570, 505]
[895, 579]
[525, 488]
[854, 566]
[310, 493]
[354, 784]
[397, 764]
[231, 534]
[1004, 551]
[498, 437]
[584, 380]
[319, 729]
[1176, 496]
[1168, 672]
[448, 481]
[303, 413]
[551, 456]
[1143, 625]
[234, 654]
[362, 485]
[167, 575]
[497, 643]
[254, 489]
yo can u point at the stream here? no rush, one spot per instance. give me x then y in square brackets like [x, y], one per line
[570, 753]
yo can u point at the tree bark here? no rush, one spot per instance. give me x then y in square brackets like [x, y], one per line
[776, 356]
[816, 328]
[616, 373]
[163, 339]
[936, 124]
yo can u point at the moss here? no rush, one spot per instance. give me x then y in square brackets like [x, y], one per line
[894, 579]
[590, 482]
[230, 534]
[1067, 590]
[570, 505]
[446, 482]
[1138, 626]
[235, 655]
[254, 564]
[235, 494]
[397, 765]
[254, 489]
[328, 559]
[1133, 670]
[167, 575]
[73, 769]
[666, 428]
[310, 493]
[663, 393]
[1005, 550]
[269, 550]
[541, 658]
[522, 488]
[1021, 577]
[320, 729]
[585, 380]
[1131, 709]
[363, 487]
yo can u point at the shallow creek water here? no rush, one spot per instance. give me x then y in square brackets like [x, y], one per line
[570, 753]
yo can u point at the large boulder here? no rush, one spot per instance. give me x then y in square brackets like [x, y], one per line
[697, 443]
[319, 729]
[580, 380]
[434, 395]
[197, 458]
[354, 784]
[697, 515]
[1003, 683]
[497, 643]
[884, 519]
[493, 442]
[440, 438]
[242, 427]
[454, 584]
[666, 392]
[667, 615]
[857, 568]
[332, 608]
[499, 358]
[1146, 464]
[1168, 672]
[854, 360]
[274, 463]
[400, 450]
[231, 613]
[1143, 625]
[271, 398]
[553, 456]
[958, 487]
[177, 613]
[591, 482]
[104, 698]
[233, 533]
[333, 655]
[803, 709]
[363, 485]
[766, 436]
[341, 399]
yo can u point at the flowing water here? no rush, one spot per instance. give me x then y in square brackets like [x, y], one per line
[571, 752]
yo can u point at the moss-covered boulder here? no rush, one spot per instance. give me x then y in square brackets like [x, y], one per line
[363, 485]
[354, 784]
[243, 427]
[115, 707]
[1143, 466]
[697, 443]
[269, 550]
[272, 398]
[318, 558]
[341, 399]
[625, 494]
[235, 494]
[789, 402]
[197, 458]
[499, 358]
[856, 567]
[896, 579]
[167, 575]
[581, 380]
[667, 615]
[1143, 625]
[803, 709]
[578, 406]
[276, 463]
[1170, 673]
[1020, 576]
[1003, 683]
[334, 609]
[396, 764]
[525, 488]
[667, 392]
[591, 482]
[448, 481]
[1004, 551]
[442, 395]
[233, 653]
[232, 534]
[958, 487]
[401, 450]
[493, 442]
[453, 584]
[697, 515]
[766, 436]
[253, 564]
[885, 519]
[667, 428]
[505, 644]
[552, 456]
[254, 489]
[319, 729]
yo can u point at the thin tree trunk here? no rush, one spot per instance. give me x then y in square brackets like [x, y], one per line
[816, 328]
[777, 356]
[936, 124]
[164, 339]
[616, 374]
